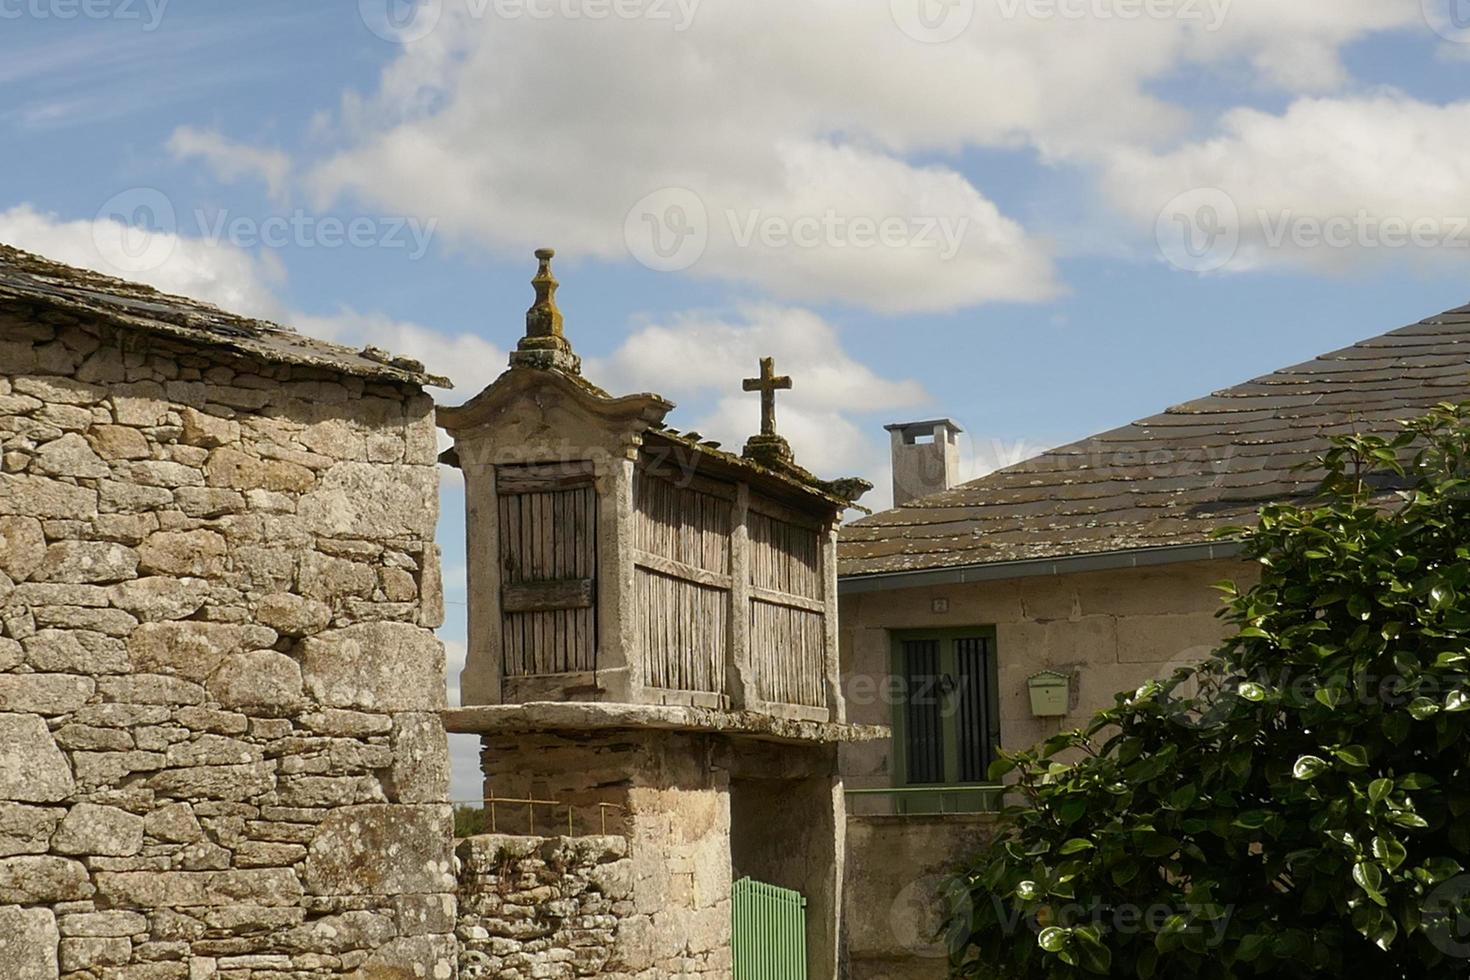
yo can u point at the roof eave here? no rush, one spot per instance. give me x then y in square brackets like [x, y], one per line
[1033, 567]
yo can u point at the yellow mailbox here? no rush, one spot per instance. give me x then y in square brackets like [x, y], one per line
[1050, 693]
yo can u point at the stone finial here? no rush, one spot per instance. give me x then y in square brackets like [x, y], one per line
[768, 447]
[545, 345]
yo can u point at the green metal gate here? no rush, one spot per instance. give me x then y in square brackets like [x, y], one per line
[770, 932]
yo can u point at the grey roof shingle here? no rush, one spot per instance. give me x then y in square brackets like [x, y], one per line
[1174, 478]
[30, 280]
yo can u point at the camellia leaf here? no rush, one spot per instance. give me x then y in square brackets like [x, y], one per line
[1310, 767]
[1352, 755]
[1075, 846]
[1053, 939]
[1379, 789]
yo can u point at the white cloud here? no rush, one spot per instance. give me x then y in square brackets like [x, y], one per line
[830, 415]
[232, 161]
[1329, 184]
[513, 129]
[227, 277]
[468, 360]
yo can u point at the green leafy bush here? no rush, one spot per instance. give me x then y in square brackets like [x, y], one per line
[1305, 810]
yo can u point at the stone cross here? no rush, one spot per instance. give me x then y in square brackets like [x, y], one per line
[768, 384]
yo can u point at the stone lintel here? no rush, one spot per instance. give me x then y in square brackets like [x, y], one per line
[584, 716]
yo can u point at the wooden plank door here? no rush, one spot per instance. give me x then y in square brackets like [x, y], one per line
[548, 567]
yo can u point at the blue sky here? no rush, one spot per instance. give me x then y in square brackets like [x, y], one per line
[1314, 156]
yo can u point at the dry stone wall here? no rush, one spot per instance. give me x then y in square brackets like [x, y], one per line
[220, 754]
[542, 907]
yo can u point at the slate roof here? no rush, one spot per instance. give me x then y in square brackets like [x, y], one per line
[1173, 478]
[30, 280]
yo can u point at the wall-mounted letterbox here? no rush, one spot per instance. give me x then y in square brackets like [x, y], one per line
[1050, 693]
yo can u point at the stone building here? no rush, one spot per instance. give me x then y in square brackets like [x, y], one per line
[653, 671]
[1092, 562]
[220, 748]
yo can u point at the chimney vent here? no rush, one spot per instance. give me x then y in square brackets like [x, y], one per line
[926, 458]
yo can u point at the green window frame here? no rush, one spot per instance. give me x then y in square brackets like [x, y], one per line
[946, 716]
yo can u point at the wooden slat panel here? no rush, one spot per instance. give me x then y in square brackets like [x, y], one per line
[677, 569]
[785, 557]
[547, 596]
[787, 599]
[683, 631]
[548, 570]
[543, 478]
[788, 654]
[681, 523]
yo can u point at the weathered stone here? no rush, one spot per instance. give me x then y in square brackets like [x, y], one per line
[198, 553]
[348, 724]
[429, 957]
[161, 597]
[118, 442]
[26, 829]
[212, 720]
[32, 880]
[204, 856]
[164, 473]
[347, 855]
[87, 738]
[420, 772]
[215, 782]
[32, 768]
[38, 496]
[340, 933]
[142, 405]
[120, 715]
[213, 750]
[75, 651]
[431, 589]
[103, 924]
[150, 689]
[87, 561]
[191, 649]
[93, 829]
[335, 438]
[147, 971]
[261, 682]
[28, 941]
[330, 791]
[125, 528]
[293, 615]
[94, 952]
[229, 467]
[373, 500]
[12, 654]
[113, 622]
[44, 694]
[376, 667]
[70, 456]
[132, 497]
[59, 594]
[208, 501]
[174, 824]
[208, 431]
[22, 546]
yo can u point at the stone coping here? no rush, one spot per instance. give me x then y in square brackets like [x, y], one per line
[587, 716]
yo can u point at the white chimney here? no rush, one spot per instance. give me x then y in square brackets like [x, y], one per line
[926, 458]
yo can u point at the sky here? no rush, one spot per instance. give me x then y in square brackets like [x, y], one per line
[1041, 218]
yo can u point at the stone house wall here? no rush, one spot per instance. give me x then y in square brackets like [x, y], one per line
[543, 907]
[220, 754]
[1109, 630]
